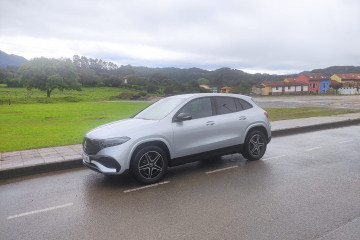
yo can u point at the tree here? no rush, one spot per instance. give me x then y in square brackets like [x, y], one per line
[335, 85]
[48, 74]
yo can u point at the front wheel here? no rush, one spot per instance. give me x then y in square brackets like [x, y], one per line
[149, 164]
[255, 145]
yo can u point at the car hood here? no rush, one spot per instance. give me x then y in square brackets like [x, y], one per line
[126, 127]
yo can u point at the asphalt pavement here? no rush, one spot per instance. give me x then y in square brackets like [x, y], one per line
[34, 161]
[305, 187]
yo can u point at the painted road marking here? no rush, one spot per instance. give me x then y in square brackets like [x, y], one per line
[346, 141]
[41, 210]
[311, 149]
[270, 158]
[145, 187]
[221, 169]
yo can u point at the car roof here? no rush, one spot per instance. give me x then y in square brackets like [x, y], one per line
[195, 95]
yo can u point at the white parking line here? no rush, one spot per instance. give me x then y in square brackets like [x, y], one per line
[270, 158]
[346, 141]
[311, 149]
[145, 187]
[221, 169]
[40, 211]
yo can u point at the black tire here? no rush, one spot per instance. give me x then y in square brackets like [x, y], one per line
[149, 164]
[255, 145]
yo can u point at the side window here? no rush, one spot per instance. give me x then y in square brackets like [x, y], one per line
[198, 108]
[242, 104]
[224, 105]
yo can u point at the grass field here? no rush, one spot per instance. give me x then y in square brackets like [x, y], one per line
[34, 121]
[23, 96]
[277, 114]
[28, 126]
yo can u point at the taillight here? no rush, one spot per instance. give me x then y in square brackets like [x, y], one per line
[267, 115]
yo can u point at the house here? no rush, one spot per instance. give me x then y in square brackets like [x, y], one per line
[205, 86]
[290, 80]
[349, 88]
[280, 88]
[346, 77]
[318, 82]
[225, 90]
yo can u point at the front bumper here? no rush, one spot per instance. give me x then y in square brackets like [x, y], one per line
[101, 163]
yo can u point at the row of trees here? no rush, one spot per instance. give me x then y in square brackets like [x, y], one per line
[48, 74]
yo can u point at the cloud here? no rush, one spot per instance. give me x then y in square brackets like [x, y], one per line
[273, 36]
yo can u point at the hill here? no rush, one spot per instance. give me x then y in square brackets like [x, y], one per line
[338, 69]
[10, 60]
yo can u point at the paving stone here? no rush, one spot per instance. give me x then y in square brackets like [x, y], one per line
[53, 159]
[33, 162]
[10, 154]
[12, 159]
[9, 165]
[71, 157]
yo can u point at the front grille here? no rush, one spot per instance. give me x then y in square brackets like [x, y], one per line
[91, 146]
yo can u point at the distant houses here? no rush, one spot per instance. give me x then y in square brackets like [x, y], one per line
[349, 83]
[311, 83]
[317, 82]
[280, 88]
[225, 89]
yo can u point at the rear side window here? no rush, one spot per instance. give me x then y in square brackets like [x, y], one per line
[198, 108]
[224, 105]
[242, 104]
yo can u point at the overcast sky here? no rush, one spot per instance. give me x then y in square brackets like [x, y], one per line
[272, 36]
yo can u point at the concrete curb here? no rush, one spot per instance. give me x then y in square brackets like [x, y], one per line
[41, 168]
[314, 128]
[77, 163]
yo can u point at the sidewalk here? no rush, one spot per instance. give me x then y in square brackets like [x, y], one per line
[27, 162]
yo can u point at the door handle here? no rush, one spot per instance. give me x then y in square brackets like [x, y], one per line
[210, 123]
[242, 118]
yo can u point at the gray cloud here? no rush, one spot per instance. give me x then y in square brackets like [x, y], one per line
[270, 36]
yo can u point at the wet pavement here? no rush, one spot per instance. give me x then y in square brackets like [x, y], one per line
[305, 187]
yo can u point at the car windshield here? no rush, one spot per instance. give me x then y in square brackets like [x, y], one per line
[159, 109]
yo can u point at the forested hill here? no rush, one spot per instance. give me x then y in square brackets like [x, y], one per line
[10, 60]
[219, 77]
[338, 69]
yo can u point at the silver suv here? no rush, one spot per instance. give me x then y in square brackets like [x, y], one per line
[177, 130]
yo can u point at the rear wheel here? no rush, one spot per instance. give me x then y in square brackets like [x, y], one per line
[149, 164]
[255, 145]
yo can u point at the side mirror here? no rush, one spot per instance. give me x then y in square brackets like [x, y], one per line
[183, 117]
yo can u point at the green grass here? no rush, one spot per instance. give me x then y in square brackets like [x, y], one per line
[28, 126]
[24, 96]
[70, 114]
[277, 114]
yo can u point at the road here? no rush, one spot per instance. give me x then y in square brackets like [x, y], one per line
[307, 186]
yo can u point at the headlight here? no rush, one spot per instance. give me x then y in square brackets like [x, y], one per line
[112, 142]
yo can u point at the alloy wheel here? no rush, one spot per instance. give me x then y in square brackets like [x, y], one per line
[151, 164]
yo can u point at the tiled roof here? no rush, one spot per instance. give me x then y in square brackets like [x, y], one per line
[316, 76]
[289, 79]
[349, 76]
[283, 84]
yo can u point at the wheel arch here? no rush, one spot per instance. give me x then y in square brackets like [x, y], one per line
[260, 128]
[158, 143]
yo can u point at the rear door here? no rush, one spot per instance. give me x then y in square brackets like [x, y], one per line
[231, 121]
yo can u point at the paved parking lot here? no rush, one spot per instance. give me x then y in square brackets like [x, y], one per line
[343, 101]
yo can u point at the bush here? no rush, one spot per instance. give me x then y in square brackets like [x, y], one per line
[126, 95]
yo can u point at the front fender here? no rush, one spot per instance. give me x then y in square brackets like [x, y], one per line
[149, 140]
